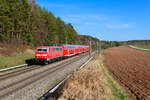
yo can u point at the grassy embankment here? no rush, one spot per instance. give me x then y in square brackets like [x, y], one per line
[144, 47]
[93, 83]
[11, 55]
[116, 89]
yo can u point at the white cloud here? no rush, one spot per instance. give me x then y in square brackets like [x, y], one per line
[118, 26]
[90, 23]
[95, 21]
[87, 16]
[87, 19]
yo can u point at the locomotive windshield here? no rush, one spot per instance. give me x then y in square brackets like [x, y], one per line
[42, 49]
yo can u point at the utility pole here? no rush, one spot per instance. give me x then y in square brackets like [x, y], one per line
[66, 40]
[66, 44]
[111, 43]
[97, 44]
[90, 48]
[99, 49]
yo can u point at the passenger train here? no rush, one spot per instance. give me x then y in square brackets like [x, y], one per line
[46, 54]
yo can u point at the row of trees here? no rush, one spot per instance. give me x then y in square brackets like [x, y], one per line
[15, 20]
[108, 44]
[136, 42]
[86, 40]
[25, 22]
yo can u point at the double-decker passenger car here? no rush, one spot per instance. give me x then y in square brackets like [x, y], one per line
[47, 54]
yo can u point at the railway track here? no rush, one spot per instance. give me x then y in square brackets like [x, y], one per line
[21, 71]
[18, 72]
[13, 87]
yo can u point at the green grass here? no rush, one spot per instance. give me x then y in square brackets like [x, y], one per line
[144, 47]
[116, 89]
[15, 59]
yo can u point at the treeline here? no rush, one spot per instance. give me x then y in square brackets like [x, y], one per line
[136, 42]
[25, 22]
[87, 40]
[108, 44]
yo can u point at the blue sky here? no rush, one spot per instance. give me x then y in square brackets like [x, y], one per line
[119, 20]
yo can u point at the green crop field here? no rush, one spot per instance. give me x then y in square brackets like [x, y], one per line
[144, 47]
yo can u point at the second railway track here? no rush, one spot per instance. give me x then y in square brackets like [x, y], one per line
[18, 72]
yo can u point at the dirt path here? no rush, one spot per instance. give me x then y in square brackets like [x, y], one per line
[132, 68]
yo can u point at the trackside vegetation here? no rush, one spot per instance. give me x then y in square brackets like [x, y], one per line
[16, 58]
[93, 82]
[114, 86]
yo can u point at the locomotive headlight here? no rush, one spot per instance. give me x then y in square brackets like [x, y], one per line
[38, 55]
[44, 55]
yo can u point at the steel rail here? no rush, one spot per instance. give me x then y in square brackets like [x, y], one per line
[18, 72]
[10, 68]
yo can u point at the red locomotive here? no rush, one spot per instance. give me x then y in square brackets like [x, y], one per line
[48, 54]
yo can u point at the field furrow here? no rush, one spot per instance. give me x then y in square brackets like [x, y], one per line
[131, 68]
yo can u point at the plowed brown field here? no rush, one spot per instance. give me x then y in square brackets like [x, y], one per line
[131, 68]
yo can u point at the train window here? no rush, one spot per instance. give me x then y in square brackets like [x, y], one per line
[42, 49]
[59, 49]
[56, 49]
[53, 49]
